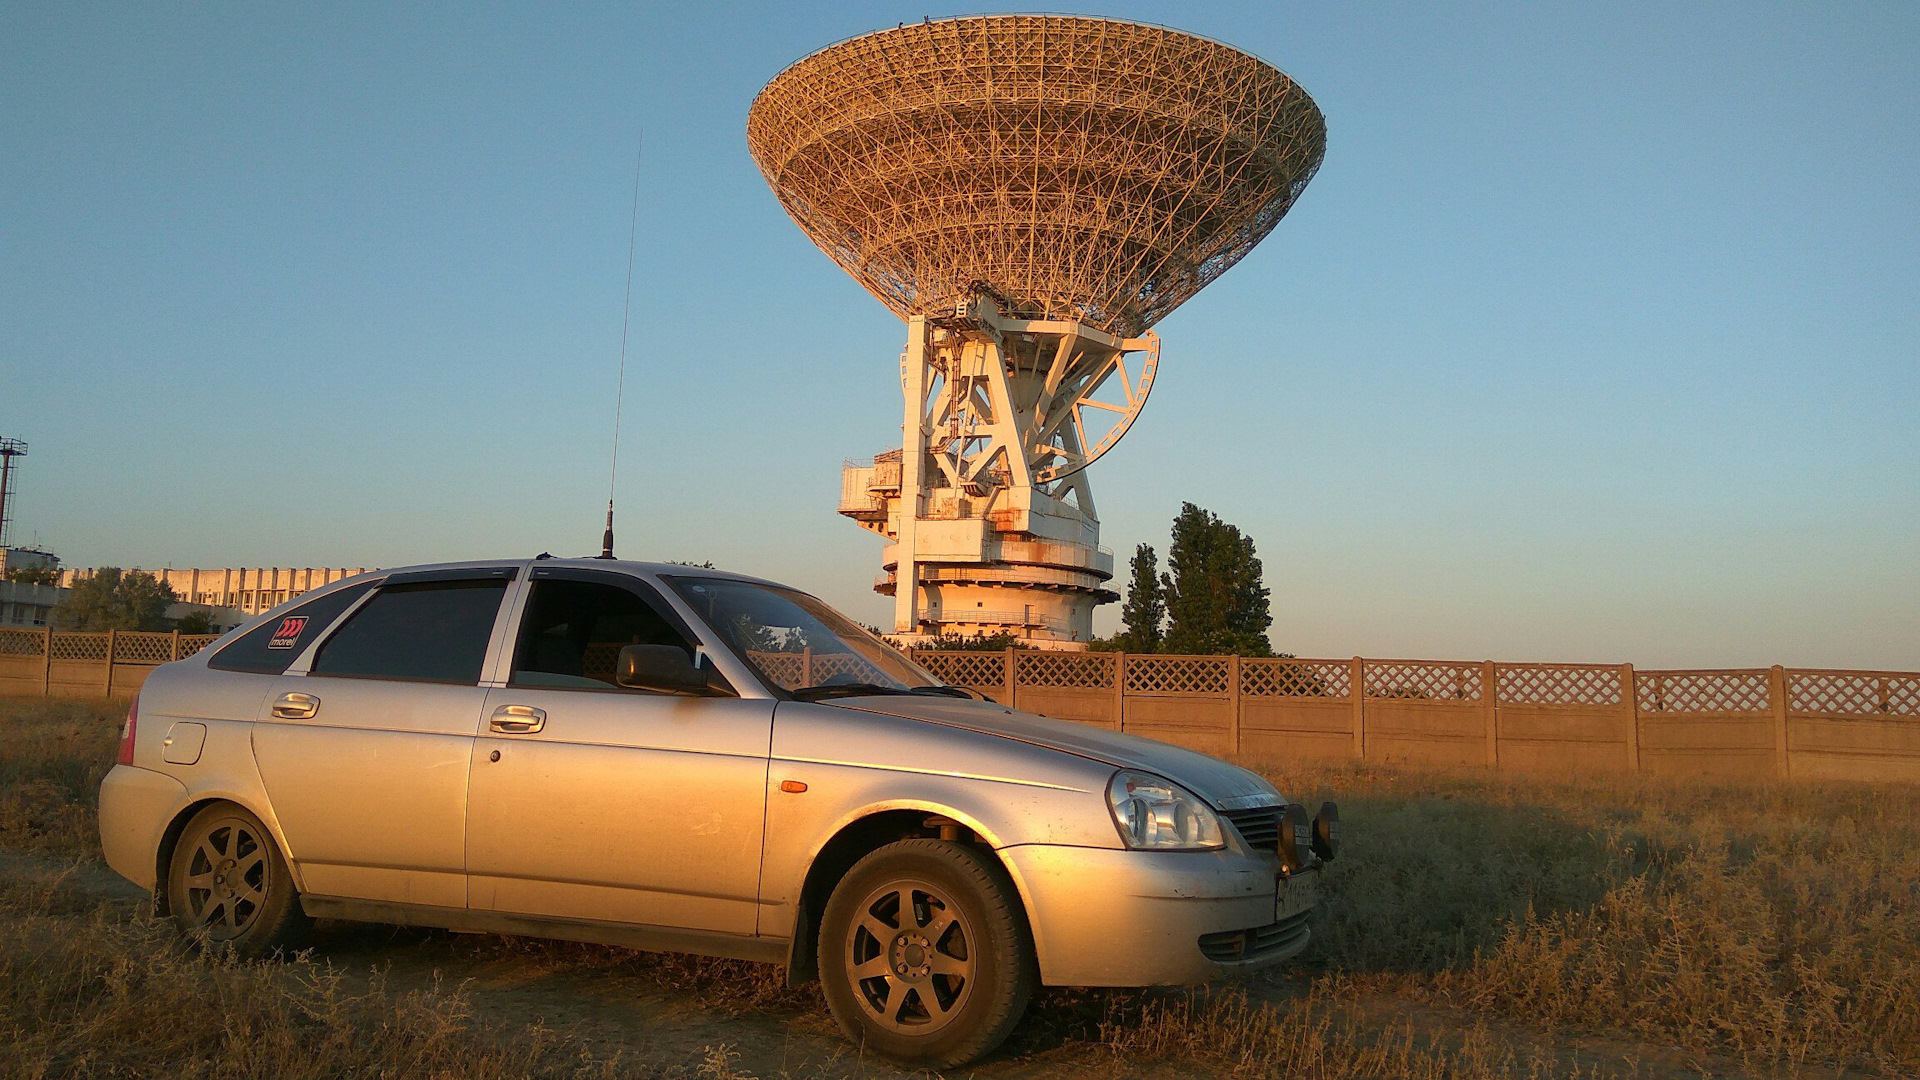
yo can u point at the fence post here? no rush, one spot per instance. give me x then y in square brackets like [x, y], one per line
[176, 647]
[1490, 709]
[1012, 678]
[1357, 687]
[1233, 716]
[112, 636]
[46, 665]
[1120, 691]
[806, 666]
[1777, 690]
[1630, 712]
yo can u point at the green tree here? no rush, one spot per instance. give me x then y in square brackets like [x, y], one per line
[1216, 601]
[1143, 617]
[196, 622]
[111, 600]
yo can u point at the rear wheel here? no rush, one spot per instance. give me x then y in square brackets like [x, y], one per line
[228, 887]
[924, 954]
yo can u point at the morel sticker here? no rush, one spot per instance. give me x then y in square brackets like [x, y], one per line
[288, 633]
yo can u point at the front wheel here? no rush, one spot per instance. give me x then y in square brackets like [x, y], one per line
[924, 954]
[228, 887]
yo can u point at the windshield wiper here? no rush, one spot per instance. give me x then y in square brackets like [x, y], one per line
[852, 689]
[938, 690]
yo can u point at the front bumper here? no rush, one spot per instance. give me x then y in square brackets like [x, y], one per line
[1105, 917]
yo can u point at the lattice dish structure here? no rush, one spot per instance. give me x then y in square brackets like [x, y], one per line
[1030, 193]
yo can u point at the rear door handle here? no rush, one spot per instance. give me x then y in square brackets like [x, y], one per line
[296, 706]
[517, 719]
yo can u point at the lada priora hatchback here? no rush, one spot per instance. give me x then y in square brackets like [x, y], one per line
[671, 758]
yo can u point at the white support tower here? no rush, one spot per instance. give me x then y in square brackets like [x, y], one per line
[986, 503]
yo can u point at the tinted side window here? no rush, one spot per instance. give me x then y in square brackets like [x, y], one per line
[271, 646]
[432, 632]
[573, 631]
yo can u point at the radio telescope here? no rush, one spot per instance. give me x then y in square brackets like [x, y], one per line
[1030, 193]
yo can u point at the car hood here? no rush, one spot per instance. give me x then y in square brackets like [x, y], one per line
[1227, 787]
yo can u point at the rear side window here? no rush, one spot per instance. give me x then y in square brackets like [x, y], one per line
[267, 649]
[429, 632]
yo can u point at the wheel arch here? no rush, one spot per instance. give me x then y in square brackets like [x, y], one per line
[177, 824]
[863, 833]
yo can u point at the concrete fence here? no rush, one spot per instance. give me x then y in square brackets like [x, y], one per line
[113, 664]
[1535, 718]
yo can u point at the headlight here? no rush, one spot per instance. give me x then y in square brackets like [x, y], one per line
[1159, 815]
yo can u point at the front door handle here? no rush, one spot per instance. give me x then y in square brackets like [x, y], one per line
[296, 706]
[517, 719]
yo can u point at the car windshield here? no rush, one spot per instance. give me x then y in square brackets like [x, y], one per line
[799, 644]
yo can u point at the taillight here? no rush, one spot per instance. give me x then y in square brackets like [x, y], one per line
[125, 756]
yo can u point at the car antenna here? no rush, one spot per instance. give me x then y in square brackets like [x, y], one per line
[613, 471]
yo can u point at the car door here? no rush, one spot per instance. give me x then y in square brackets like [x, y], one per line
[366, 744]
[590, 801]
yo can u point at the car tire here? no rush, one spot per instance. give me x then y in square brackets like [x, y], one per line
[925, 955]
[228, 888]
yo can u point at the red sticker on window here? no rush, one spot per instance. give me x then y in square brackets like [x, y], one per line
[288, 635]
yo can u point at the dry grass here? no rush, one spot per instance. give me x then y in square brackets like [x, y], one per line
[51, 762]
[1779, 923]
[98, 992]
[1477, 926]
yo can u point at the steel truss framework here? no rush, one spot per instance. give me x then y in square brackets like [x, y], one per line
[1085, 169]
[1010, 402]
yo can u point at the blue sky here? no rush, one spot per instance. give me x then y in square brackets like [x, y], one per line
[1594, 338]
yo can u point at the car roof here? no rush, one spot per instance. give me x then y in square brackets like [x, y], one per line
[643, 569]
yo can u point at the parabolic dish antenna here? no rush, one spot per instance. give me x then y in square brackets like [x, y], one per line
[1031, 193]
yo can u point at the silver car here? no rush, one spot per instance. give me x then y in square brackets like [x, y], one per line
[678, 759]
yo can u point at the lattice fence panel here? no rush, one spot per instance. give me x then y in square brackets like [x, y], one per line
[1569, 684]
[79, 646]
[1177, 675]
[1854, 693]
[1433, 680]
[1263, 677]
[847, 667]
[193, 643]
[1702, 692]
[22, 643]
[143, 648]
[962, 668]
[599, 660]
[1088, 670]
[786, 669]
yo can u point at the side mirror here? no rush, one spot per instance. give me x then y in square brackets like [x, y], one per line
[659, 667]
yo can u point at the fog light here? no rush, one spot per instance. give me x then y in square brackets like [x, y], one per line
[1326, 831]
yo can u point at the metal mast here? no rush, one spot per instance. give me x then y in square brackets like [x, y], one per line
[9, 449]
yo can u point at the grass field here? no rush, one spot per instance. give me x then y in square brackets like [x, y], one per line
[1476, 926]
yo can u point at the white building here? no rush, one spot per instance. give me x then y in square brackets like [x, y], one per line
[247, 589]
[23, 603]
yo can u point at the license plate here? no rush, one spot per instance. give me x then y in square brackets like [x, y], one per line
[1295, 894]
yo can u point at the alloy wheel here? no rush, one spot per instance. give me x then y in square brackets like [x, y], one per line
[228, 874]
[911, 957]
